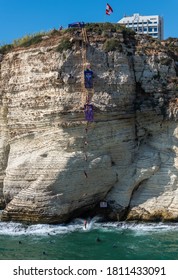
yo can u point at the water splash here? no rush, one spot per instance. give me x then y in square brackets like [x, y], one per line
[16, 229]
[86, 224]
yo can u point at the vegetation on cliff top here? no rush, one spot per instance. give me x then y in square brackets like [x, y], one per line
[103, 30]
[112, 44]
[25, 41]
[100, 29]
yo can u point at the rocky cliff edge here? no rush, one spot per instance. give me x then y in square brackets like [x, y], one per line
[53, 165]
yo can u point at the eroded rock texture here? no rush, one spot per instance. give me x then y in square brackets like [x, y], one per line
[54, 166]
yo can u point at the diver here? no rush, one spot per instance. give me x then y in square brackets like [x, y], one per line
[85, 224]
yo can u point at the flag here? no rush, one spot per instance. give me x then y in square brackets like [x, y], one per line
[109, 10]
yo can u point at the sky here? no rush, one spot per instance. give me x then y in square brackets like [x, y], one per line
[24, 17]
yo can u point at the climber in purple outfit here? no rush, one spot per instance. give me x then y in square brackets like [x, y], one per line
[88, 109]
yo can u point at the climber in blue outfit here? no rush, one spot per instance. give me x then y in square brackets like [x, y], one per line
[88, 75]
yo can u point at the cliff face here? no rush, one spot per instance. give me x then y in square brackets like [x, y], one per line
[54, 166]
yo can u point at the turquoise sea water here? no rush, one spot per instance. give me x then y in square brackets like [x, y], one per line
[100, 241]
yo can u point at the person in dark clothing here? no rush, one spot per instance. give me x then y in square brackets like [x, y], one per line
[88, 75]
[89, 115]
[85, 224]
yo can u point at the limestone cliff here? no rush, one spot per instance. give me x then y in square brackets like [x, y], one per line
[54, 166]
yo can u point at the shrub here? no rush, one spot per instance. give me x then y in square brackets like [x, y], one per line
[107, 26]
[28, 40]
[94, 27]
[112, 45]
[127, 32]
[101, 28]
[54, 32]
[64, 45]
[6, 48]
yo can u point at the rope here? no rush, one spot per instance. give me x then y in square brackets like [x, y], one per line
[84, 61]
[87, 94]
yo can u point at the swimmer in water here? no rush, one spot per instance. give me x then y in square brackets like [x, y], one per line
[98, 239]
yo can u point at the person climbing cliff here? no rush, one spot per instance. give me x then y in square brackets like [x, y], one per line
[88, 76]
[88, 110]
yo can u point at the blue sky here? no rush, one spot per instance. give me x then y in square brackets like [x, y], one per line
[21, 17]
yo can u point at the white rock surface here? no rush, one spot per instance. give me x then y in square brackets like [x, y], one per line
[53, 169]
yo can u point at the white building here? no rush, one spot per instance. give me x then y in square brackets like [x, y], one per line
[151, 25]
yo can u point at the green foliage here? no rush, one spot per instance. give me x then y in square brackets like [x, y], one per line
[54, 32]
[70, 30]
[170, 40]
[100, 28]
[64, 45]
[127, 32]
[28, 40]
[112, 45]
[25, 41]
[6, 48]
[97, 28]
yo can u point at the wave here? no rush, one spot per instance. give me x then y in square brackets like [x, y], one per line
[12, 228]
[140, 227]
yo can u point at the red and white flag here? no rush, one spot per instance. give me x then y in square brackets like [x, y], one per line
[109, 10]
